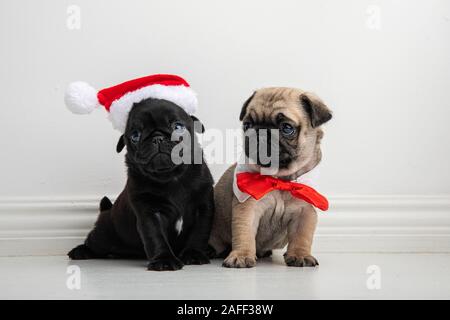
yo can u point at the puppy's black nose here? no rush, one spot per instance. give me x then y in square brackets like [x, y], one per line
[157, 139]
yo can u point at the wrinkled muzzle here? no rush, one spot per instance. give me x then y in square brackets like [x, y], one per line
[262, 147]
[155, 154]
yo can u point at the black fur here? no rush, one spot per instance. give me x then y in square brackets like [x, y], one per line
[105, 204]
[244, 107]
[158, 193]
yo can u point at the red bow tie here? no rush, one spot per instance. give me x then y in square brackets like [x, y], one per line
[258, 186]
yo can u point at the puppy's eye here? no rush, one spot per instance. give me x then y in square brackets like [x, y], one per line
[287, 129]
[179, 128]
[135, 137]
[247, 125]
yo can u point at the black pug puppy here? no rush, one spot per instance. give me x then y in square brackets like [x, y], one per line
[165, 211]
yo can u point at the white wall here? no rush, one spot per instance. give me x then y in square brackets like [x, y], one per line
[388, 87]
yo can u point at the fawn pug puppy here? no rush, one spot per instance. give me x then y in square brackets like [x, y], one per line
[165, 212]
[245, 228]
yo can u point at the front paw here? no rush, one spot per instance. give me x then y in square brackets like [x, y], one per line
[82, 252]
[237, 259]
[294, 260]
[165, 264]
[194, 256]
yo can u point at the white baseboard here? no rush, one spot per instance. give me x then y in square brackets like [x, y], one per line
[385, 224]
[52, 226]
[45, 226]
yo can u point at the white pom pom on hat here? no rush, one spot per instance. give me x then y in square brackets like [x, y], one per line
[81, 98]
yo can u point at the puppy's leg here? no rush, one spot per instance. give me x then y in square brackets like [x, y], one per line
[103, 242]
[245, 221]
[99, 241]
[83, 252]
[196, 248]
[153, 230]
[300, 234]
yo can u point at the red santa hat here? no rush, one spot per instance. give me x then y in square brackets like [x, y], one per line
[118, 100]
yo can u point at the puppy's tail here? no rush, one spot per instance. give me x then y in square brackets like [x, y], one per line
[105, 204]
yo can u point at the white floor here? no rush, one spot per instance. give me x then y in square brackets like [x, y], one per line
[341, 276]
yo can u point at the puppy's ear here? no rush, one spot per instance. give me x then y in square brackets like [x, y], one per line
[198, 125]
[317, 110]
[120, 144]
[244, 107]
